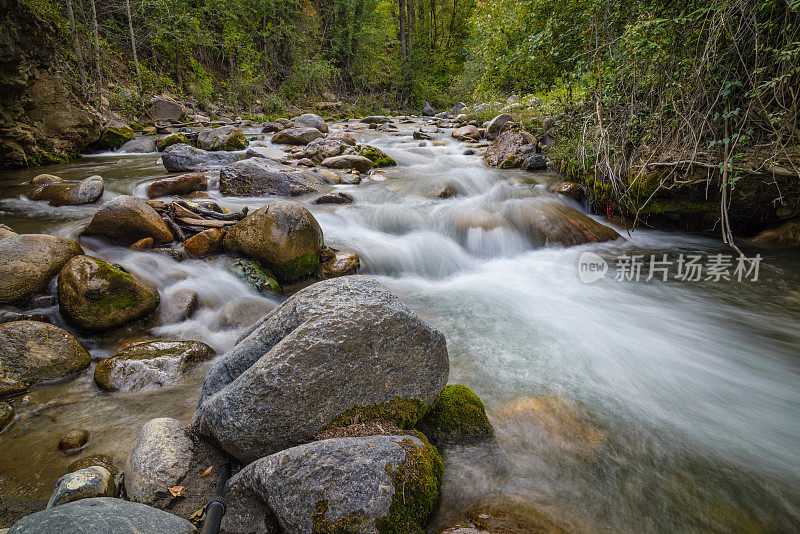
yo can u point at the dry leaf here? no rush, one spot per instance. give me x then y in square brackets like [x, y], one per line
[207, 471]
[197, 515]
[177, 491]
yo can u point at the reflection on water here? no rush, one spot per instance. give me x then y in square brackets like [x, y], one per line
[617, 406]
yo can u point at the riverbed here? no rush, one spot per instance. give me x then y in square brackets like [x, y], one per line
[618, 405]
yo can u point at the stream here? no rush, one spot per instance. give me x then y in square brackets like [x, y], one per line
[618, 405]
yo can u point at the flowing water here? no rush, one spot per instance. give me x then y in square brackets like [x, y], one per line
[618, 406]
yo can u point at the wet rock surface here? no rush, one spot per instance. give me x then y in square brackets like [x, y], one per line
[184, 158]
[263, 176]
[126, 219]
[29, 261]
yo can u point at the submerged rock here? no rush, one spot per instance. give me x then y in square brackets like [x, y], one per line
[178, 306]
[70, 193]
[222, 138]
[254, 274]
[264, 176]
[6, 415]
[102, 514]
[160, 458]
[283, 236]
[457, 416]
[572, 190]
[90, 482]
[244, 312]
[336, 197]
[74, 440]
[504, 514]
[339, 351]
[296, 136]
[31, 352]
[29, 261]
[97, 296]
[355, 485]
[126, 219]
[150, 365]
[545, 221]
[339, 264]
[182, 184]
[185, 158]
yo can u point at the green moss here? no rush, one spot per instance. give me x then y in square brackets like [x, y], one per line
[254, 274]
[135, 126]
[50, 158]
[417, 486]
[115, 136]
[403, 412]
[297, 268]
[347, 524]
[172, 139]
[377, 156]
[237, 141]
[458, 415]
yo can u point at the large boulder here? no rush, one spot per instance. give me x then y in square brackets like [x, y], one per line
[355, 485]
[546, 222]
[60, 193]
[297, 136]
[283, 236]
[339, 351]
[143, 145]
[96, 296]
[323, 148]
[183, 184]
[497, 125]
[163, 109]
[150, 365]
[29, 261]
[94, 481]
[222, 138]
[125, 220]
[510, 149]
[114, 136]
[160, 458]
[102, 514]
[31, 351]
[310, 120]
[349, 161]
[264, 176]
[184, 158]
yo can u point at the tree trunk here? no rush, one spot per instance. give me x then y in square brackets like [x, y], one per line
[402, 5]
[97, 57]
[78, 53]
[133, 44]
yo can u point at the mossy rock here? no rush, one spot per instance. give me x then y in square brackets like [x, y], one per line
[115, 136]
[457, 416]
[172, 139]
[378, 157]
[418, 484]
[254, 274]
[405, 413]
[96, 296]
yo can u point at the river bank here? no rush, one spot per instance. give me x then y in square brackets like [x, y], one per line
[605, 417]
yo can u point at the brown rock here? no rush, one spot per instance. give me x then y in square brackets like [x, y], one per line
[349, 161]
[203, 243]
[546, 221]
[178, 185]
[466, 133]
[572, 190]
[29, 261]
[74, 440]
[341, 264]
[126, 219]
[787, 235]
[143, 244]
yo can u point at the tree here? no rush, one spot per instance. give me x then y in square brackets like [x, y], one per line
[78, 51]
[99, 77]
[133, 44]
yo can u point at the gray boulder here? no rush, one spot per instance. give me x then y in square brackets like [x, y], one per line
[85, 483]
[497, 125]
[166, 109]
[357, 485]
[159, 459]
[428, 110]
[29, 261]
[375, 119]
[264, 176]
[183, 158]
[297, 136]
[310, 120]
[102, 515]
[349, 161]
[323, 148]
[222, 138]
[143, 145]
[31, 351]
[70, 193]
[6, 231]
[510, 149]
[338, 351]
